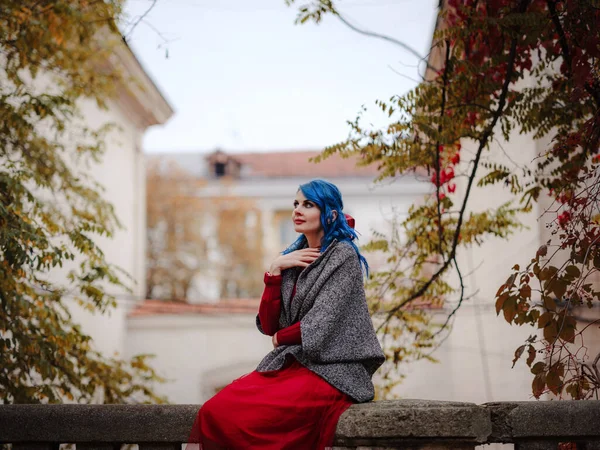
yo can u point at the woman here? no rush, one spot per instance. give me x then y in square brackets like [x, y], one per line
[325, 348]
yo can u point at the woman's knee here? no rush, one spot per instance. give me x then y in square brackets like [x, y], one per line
[213, 409]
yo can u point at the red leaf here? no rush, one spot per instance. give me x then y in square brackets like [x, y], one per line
[539, 385]
[531, 355]
[518, 352]
[500, 302]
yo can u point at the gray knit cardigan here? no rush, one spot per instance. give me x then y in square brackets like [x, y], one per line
[338, 340]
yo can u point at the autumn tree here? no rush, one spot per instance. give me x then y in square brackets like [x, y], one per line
[195, 235]
[177, 249]
[497, 68]
[53, 54]
[239, 234]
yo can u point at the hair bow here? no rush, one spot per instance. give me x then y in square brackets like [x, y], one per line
[350, 220]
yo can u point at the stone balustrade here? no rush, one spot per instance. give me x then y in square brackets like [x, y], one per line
[406, 424]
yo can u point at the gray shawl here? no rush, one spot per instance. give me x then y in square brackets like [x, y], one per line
[338, 340]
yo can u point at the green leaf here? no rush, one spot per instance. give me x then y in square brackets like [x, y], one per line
[547, 273]
[597, 260]
[51, 208]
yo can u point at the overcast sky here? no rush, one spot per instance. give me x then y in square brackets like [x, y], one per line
[242, 76]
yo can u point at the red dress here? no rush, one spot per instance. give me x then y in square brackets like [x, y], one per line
[289, 408]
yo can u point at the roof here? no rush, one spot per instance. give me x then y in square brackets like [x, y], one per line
[297, 164]
[152, 308]
[160, 307]
[278, 164]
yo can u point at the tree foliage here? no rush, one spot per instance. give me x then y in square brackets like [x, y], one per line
[240, 246]
[497, 68]
[54, 54]
[194, 236]
[177, 248]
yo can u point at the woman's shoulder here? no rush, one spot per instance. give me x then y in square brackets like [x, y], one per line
[344, 251]
[344, 246]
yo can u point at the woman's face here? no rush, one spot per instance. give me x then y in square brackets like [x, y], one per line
[306, 215]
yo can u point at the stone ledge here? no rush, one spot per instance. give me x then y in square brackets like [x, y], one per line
[386, 424]
[545, 419]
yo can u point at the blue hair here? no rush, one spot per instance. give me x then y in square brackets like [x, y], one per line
[328, 198]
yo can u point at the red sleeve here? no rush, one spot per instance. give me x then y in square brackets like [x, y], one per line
[290, 335]
[270, 304]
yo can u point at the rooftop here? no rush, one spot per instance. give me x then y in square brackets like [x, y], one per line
[277, 164]
[229, 306]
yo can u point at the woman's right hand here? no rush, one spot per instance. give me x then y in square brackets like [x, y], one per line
[297, 258]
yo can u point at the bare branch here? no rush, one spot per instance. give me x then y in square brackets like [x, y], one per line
[460, 300]
[140, 18]
[402, 75]
[392, 40]
[379, 36]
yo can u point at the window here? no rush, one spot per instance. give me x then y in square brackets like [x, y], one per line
[220, 169]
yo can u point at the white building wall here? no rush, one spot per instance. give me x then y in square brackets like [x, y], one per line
[121, 173]
[197, 354]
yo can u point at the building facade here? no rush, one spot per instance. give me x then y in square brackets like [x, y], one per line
[121, 172]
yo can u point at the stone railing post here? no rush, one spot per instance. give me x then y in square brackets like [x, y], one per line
[413, 424]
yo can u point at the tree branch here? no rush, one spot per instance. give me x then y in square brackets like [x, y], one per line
[460, 300]
[437, 150]
[139, 19]
[482, 144]
[392, 40]
[564, 45]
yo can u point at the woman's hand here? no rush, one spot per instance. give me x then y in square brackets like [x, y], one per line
[274, 340]
[298, 258]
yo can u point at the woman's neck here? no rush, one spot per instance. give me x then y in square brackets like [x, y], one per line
[314, 240]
